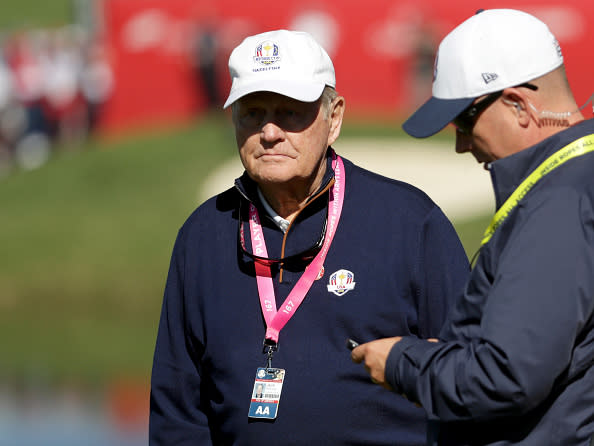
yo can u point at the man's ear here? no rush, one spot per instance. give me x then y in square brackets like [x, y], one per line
[336, 115]
[520, 104]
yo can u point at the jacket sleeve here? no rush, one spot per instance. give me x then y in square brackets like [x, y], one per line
[540, 298]
[177, 415]
[441, 269]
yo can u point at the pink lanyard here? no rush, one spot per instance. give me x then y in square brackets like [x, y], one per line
[276, 320]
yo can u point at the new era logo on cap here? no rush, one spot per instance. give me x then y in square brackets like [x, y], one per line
[489, 77]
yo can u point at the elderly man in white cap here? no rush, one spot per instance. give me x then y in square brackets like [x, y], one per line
[514, 363]
[269, 278]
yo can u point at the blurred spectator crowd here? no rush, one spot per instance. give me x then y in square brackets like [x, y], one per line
[53, 84]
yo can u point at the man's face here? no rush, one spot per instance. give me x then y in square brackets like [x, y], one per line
[281, 140]
[487, 139]
[501, 129]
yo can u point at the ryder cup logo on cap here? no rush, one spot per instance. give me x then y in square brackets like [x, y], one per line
[493, 50]
[290, 63]
[267, 53]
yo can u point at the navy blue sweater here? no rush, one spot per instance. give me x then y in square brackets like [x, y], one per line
[408, 265]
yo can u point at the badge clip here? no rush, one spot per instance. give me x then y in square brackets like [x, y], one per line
[268, 348]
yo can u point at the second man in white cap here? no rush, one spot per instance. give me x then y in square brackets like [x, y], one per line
[514, 364]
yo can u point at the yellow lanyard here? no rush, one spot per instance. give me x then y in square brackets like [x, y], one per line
[577, 148]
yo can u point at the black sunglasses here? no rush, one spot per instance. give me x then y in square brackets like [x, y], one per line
[303, 256]
[466, 120]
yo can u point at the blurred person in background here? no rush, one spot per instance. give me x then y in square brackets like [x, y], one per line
[31, 141]
[6, 101]
[514, 362]
[59, 80]
[97, 83]
[62, 65]
[339, 251]
[205, 51]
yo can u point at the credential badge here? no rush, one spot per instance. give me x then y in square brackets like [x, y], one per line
[341, 282]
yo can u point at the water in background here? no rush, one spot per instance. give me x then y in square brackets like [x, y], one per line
[44, 417]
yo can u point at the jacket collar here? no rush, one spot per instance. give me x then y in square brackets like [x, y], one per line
[507, 173]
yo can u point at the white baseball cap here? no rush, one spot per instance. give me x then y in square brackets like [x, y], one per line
[290, 63]
[493, 50]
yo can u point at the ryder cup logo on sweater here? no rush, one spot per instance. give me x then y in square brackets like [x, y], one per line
[267, 53]
[341, 282]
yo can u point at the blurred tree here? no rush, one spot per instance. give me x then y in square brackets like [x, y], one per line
[18, 14]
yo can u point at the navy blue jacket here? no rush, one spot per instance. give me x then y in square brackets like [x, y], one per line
[408, 266]
[516, 362]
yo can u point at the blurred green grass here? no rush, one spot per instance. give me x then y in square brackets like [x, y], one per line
[86, 241]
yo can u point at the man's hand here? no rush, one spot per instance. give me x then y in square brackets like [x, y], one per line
[374, 354]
